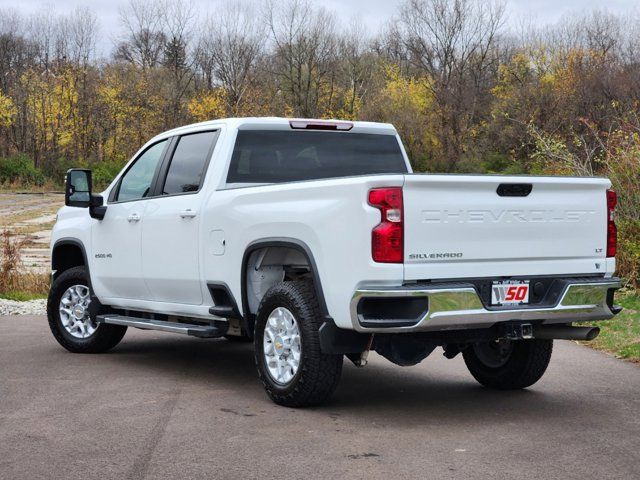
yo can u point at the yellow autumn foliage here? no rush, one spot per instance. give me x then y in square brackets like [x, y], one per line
[408, 103]
[208, 105]
[8, 110]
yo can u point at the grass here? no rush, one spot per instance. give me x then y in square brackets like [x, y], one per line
[25, 286]
[20, 186]
[20, 296]
[15, 284]
[621, 335]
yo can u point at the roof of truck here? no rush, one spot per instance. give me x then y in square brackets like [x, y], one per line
[279, 123]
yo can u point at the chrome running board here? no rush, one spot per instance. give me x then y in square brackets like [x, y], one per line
[195, 330]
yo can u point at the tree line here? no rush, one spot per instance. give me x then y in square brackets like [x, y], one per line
[466, 93]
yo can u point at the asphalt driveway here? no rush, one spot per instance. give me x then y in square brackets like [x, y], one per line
[165, 406]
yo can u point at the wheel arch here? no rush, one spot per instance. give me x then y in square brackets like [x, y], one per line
[68, 253]
[282, 242]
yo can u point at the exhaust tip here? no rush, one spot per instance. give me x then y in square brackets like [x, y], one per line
[562, 332]
[592, 333]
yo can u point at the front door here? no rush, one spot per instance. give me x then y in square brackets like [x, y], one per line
[116, 264]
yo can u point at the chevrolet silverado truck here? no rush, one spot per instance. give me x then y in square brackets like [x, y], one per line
[315, 241]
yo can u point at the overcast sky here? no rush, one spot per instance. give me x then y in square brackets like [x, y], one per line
[373, 13]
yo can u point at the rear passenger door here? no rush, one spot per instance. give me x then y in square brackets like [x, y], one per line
[171, 227]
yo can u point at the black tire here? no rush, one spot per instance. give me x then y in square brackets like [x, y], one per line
[523, 366]
[103, 339]
[318, 373]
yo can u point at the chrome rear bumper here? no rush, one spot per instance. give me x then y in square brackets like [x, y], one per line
[458, 306]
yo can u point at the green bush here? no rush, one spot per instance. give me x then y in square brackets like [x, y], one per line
[104, 173]
[503, 164]
[628, 257]
[57, 170]
[20, 168]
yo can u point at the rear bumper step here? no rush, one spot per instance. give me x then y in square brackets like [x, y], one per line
[458, 306]
[194, 330]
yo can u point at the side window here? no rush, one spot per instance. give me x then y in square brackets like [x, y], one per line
[188, 163]
[136, 182]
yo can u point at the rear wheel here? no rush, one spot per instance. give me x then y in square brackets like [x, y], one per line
[293, 369]
[70, 319]
[508, 365]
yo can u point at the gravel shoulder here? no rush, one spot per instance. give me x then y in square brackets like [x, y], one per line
[30, 307]
[30, 217]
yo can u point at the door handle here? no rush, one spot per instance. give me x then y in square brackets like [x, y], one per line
[134, 217]
[188, 213]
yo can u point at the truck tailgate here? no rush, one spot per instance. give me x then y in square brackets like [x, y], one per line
[458, 226]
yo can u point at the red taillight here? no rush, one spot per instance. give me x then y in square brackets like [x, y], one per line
[387, 238]
[612, 231]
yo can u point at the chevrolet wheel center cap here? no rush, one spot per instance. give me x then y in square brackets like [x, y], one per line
[279, 345]
[78, 311]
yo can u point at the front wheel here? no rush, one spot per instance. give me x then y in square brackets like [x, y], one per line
[291, 365]
[508, 365]
[70, 318]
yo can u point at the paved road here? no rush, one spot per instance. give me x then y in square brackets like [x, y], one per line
[164, 406]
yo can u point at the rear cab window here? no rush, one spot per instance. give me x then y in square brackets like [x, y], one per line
[277, 156]
[188, 163]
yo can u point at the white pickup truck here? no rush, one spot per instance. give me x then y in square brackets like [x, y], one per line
[315, 240]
